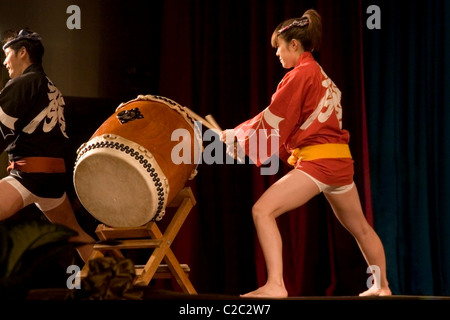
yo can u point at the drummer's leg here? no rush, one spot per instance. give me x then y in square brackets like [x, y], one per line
[10, 200]
[290, 192]
[63, 214]
[14, 197]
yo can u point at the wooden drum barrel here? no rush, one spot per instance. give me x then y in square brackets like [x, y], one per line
[124, 175]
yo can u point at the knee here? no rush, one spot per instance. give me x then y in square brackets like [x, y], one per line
[361, 231]
[260, 211]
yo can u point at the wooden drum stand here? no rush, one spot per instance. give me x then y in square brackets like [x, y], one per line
[149, 236]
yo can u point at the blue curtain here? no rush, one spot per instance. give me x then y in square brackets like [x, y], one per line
[407, 79]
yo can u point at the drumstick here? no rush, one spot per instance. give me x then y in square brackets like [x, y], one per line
[213, 121]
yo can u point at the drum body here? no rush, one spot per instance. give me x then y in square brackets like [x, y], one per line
[124, 175]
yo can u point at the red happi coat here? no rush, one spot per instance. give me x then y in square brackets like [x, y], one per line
[305, 110]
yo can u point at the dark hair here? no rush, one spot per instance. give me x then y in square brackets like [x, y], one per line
[307, 30]
[33, 46]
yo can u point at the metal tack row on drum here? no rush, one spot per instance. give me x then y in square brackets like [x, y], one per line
[124, 175]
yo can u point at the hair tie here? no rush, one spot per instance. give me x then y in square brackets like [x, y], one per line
[302, 22]
[22, 35]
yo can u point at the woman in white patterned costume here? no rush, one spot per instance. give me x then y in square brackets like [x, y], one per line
[305, 115]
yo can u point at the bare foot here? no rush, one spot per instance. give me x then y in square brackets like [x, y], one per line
[267, 291]
[374, 291]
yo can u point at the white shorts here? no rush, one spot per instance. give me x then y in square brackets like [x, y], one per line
[325, 188]
[44, 204]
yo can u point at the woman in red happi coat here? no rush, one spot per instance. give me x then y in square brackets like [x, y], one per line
[303, 126]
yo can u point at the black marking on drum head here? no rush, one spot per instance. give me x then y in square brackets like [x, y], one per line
[129, 115]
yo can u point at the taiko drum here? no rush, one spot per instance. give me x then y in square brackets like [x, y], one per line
[124, 175]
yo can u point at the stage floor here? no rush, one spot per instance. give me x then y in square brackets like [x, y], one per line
[159, 294]
[175, 305]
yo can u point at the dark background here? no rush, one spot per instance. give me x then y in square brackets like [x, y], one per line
[214, 56]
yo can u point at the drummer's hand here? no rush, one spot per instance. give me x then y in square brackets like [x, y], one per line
[223, 135]
[233, 150]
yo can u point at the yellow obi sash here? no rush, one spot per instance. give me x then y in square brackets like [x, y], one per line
[319, 151]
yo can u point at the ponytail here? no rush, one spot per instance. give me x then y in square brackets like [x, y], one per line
[307, 30]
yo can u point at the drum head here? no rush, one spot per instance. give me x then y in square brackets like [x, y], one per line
[116, 189]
